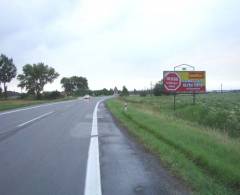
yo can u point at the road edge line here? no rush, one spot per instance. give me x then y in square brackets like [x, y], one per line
[93, 176]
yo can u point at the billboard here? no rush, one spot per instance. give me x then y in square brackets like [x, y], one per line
[184, 81]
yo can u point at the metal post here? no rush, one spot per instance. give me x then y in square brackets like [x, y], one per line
[194, 98]
[174, 102]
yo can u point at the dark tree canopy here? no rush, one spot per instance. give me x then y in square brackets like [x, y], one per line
[75, 85]
[158, 89]
[7, 71]
[35, 76]
[124, 91]
[67, 85]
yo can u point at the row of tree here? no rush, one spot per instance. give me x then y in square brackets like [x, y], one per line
[35, 76]
[33, 79]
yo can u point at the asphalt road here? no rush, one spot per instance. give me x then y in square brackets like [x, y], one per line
[46, 150]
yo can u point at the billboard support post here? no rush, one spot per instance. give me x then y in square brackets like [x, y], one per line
[174, 101]
[194, 98]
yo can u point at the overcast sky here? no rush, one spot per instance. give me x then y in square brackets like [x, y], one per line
[124, 42]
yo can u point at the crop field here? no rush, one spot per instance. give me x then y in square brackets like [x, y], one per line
[198, 143]
[218, 111]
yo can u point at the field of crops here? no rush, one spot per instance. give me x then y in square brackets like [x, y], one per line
[217, 111]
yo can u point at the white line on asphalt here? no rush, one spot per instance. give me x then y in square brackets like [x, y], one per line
[34, 119]
[29, 108]
[93, 178]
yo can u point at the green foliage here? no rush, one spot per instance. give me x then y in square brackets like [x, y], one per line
[206, 159]
[158, 89]
[51, 95]
[7, 71]
[124, 91]
[82, 92]
[67, 85]
[35, 77]
[143, 93]
[135, 92]
[75, 85]
[103, 92]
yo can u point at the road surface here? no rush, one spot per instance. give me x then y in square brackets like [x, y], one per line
[75, 148]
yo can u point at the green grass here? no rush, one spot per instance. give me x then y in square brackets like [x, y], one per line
[18, 103]
[219, 111]
[204, 158]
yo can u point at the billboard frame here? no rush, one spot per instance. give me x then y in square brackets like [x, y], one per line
[193, 93]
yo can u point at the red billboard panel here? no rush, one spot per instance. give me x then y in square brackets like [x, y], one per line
[184, 81]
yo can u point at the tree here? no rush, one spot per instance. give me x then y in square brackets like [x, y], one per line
[67, 85]
[158, 89]
[7, 71]
[135, 92]
[35, 76]
[75, 85]
[111, 92]
[80, 83]
[124, 91]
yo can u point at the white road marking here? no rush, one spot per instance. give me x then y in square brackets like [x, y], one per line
[34, 119]
[93, 177]
[29, 108]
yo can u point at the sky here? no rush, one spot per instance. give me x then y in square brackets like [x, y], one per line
[124, 42]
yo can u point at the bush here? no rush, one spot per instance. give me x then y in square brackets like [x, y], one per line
[82, 92]
[143, 93]
[158, 89]
[51, 95]
[26, 96]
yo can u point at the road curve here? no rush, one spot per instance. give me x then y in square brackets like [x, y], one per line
[45, 150]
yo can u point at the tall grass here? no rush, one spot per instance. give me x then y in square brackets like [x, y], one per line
[219, 111]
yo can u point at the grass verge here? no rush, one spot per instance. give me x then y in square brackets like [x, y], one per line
[203, 158]
[13, 104]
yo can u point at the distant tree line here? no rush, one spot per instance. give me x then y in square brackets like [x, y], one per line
[102, 92]
[156, 91]
[35, 76]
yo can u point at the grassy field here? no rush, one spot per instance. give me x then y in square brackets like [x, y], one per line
[201, 153]
[218, 111]
[12, 104]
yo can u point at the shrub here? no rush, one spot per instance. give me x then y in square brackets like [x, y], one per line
[51, 95]
[143, 93]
